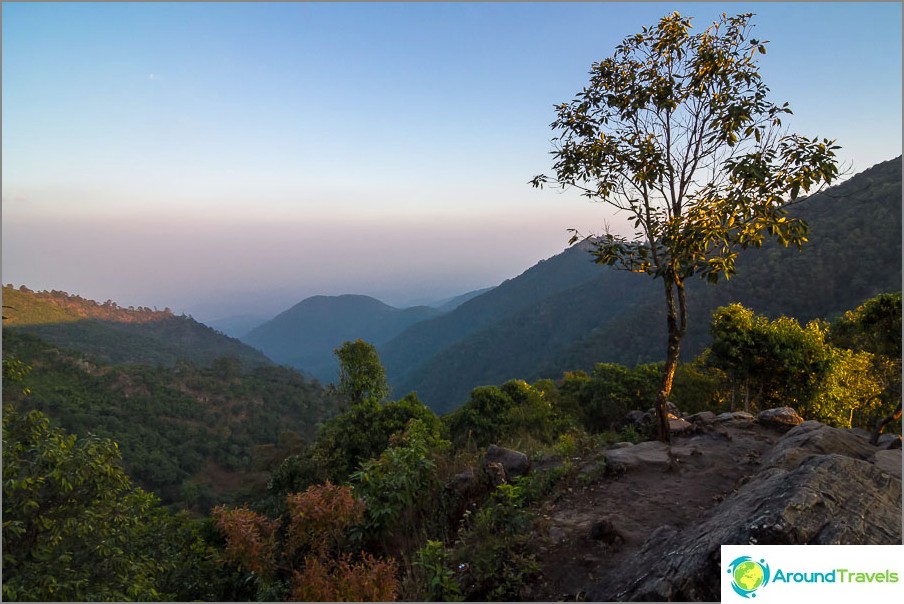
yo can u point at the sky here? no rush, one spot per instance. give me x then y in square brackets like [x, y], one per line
[229, 158]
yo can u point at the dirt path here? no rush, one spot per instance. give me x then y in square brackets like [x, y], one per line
[599, 519]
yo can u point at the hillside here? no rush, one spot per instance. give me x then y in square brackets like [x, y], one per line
[305, 336]
[112, 334]
[406, 353]
[193, 435]
[854, 253]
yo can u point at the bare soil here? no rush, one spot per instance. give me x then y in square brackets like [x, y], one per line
[602, 515]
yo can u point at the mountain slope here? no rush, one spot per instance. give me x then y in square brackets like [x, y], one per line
[410, 349]
[193, 435]
[854, 253]
[117, 335]
[305, 336]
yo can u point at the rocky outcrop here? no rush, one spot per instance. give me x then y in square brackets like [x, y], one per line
[796, 498]
[814, 438]
[511, 463]
[782, 418]
[648, 454]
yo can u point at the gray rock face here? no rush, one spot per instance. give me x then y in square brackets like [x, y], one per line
[796, 498]
[889, 461]
[649, 453]
[513, 463]
[782, 418]
[814, 438]
[735, 416]
[781, 506]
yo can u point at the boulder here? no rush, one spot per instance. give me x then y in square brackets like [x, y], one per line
[782, 418]
[514, 463]
[680, 426]
[650, 454]
[804, 505]
[703, 418]
[735, 417]
[889, 461]
[889, 441]
[814, 438]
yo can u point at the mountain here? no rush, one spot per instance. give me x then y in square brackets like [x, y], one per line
[305, 336]
[117, 335]
[237, 326]
[453, 303]
[567, 313]
[405, 353]
[194, 435]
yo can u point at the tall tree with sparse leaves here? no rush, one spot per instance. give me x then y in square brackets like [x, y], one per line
[676, 130]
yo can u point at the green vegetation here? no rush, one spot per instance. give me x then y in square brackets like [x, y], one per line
[362, 377]
[777, 363]
[185, 432]
[366, 507]
[76, 528]
[111, 334]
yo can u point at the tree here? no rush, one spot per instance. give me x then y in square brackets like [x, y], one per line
[361, 374]
[875, 327]
[76, 528]
[781, 363]
[775, 362]
[676, 130]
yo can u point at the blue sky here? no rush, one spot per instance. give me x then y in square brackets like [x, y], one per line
[221, 158]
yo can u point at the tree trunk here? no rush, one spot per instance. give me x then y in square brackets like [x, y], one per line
[676, 319]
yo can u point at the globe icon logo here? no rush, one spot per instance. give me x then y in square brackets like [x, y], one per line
[748, 575]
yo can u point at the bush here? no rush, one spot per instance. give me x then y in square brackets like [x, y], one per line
[503, 415]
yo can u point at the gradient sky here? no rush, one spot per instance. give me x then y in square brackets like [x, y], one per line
[221, 158]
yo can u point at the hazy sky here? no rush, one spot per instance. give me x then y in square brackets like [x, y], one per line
[228, 158]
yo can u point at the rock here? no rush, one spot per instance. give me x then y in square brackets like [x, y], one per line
[804, 505]
[814, 438]
[621, 445]
[889, 461]
[782, 418]
[650, 454]
[680, 426]
[889, 441]
[735, 416]
[514, 463]
[634, 419]
[702, 418]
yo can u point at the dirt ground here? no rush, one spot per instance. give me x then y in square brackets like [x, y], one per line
[604, 514]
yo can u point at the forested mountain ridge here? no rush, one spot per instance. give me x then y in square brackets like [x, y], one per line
[113, 334]
[305, 336]
[853, 253]
[193, 435]
[405, 353]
